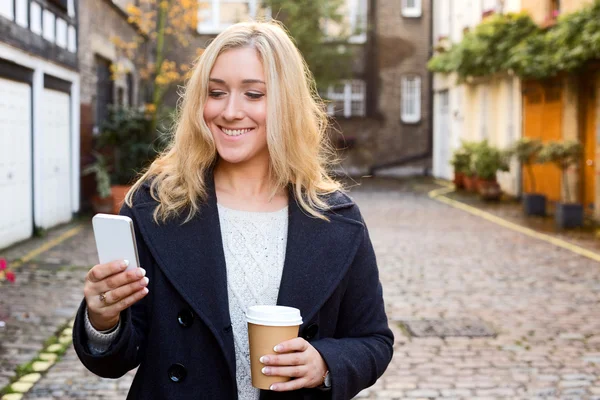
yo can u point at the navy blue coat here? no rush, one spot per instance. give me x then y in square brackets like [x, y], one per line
[180, 334]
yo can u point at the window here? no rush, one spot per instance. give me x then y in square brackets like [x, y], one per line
[411, 99]
[347, 99]
[357, 14]
[411, 8]
[216, 15]
[104, 91]
[442, 12]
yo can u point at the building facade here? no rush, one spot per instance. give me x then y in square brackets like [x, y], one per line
[39, 116]
[485, 108]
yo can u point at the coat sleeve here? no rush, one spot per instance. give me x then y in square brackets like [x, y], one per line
[362, 346]
[124, 354]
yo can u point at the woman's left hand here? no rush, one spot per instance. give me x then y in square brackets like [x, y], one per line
[298, 359]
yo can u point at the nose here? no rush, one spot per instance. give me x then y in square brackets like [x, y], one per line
[233, 109]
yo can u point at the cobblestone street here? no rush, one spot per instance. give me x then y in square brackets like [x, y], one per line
[436, 262]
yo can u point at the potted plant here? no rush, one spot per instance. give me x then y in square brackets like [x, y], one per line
[470, 177]
[569, 213]
[127, 138]
[526, 151]
[461, 161]
[102, 201]
[487, 161]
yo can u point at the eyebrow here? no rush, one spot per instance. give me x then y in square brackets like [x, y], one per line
[216, 80]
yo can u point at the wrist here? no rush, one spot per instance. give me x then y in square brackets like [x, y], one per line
[101, 324]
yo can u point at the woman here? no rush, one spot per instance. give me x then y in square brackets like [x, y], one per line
[240, 211]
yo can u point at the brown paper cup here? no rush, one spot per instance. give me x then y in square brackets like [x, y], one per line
[267, 327]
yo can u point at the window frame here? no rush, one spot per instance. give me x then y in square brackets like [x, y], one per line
[415, 11]
[416, 116]
[215, 26]
[348, 97]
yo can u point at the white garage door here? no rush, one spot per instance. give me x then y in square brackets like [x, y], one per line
[55, 151]
[16, 202]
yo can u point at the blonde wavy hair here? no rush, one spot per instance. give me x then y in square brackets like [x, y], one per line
[297, 139]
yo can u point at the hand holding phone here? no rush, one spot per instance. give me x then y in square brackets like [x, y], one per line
[116, 282]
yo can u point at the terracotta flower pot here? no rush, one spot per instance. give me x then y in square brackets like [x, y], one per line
[470, 183]
[102, 205]
[118, 196]
[459, 180]
[489, 189]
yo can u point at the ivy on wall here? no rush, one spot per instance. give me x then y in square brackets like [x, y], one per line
[514, 43]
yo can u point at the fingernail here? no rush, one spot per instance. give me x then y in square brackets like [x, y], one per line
[126, 263]
[273, 387]
[277, 348]
[264, 359]
[265, 371]
[146, 280]
[141, 272]
[145, 290]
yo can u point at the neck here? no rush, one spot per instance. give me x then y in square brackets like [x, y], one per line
[247, 180]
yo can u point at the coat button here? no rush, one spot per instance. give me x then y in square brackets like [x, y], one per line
[185, 318]
[177, 372]
[310, 331]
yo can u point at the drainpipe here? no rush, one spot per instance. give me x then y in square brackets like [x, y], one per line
[427, 153]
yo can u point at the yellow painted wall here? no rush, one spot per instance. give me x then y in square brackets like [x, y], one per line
[597, 160]
[538, 9]
[570, 130]
[499, 121]
[568, 6]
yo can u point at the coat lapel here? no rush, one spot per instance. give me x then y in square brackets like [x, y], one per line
[318, 254]
[191, 257]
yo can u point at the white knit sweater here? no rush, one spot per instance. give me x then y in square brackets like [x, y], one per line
[254, 244]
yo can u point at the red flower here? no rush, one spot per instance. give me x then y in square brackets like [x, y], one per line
[10, 276]
[2, 264]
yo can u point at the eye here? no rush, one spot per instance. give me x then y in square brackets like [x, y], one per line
[216, 93]
[254, 96]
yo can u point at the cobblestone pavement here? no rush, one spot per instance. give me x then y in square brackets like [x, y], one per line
[436, 262]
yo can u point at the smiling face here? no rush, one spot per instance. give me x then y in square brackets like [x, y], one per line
[236, 107]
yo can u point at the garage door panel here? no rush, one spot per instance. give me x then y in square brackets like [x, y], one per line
[55, 159]
[16, 214]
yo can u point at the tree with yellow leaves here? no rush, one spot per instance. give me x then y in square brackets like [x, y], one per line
[161, 24]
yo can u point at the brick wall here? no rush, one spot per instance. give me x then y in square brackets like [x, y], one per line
[99, 20]
[401, 48]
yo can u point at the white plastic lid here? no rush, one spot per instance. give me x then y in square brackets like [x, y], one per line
[274, 316]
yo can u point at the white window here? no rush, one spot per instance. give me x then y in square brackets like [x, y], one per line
[347, 99]
[48, 25]
[490, 5]
[442, 12]
[411, 99]
[214, 16]
[7, 9]
[71, 8]
[357, 15]
[72, 39]
[411, 8]
[21, 12]
[35, 21]
[61, 33]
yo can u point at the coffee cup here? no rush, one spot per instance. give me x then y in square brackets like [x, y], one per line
[267, 327]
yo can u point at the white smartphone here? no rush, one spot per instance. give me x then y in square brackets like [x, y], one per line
[115, 239]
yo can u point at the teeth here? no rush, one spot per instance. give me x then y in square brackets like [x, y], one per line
[235, 132]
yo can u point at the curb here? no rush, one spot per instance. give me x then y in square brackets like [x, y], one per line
[31, 372]
[47, 246]
[438, 195]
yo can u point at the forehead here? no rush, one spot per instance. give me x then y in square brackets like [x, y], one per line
[238, 65]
